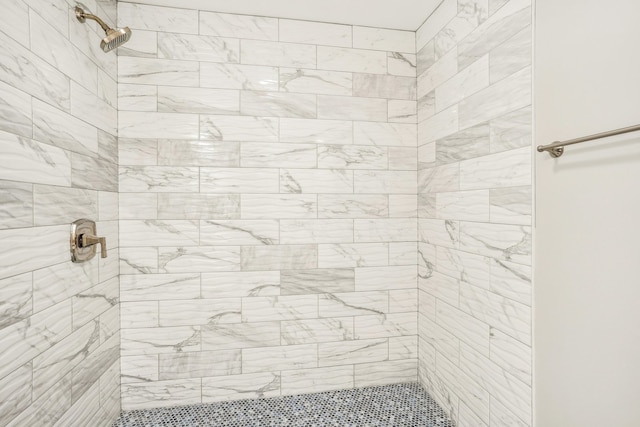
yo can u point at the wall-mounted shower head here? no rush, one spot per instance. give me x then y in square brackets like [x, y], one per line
[115, 37]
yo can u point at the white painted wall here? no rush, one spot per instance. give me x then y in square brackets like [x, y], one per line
[587, 267]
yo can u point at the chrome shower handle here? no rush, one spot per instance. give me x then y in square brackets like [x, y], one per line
[90, 240]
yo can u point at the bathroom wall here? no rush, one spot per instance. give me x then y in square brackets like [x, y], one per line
[588, 204]
[59, 321]
[474, 187]
[268, 206]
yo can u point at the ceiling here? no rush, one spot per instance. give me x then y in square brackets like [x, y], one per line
[395, 14]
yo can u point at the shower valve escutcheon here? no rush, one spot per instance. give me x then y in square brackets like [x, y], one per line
[84, 241]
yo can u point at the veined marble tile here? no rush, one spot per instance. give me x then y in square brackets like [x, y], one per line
[402, 111]
[164, 19]
[467, 417]
[240, 284]
[198, 153]
[315, 33]
[281, 257]
[139, 206]
[403, 206]
[240, 335]
[199, 364]
[384, 86]
[471, 13]
[15, 111]
[317, 380]
[278, 206]
[466, 144]
[467, 328]
[440, 125]
[353, 255]
[500, 415]
[463, 205]
[24, 70]
[238, 26]
[16, 302]
[233, 128]
[138, 260]
[95, 174]
[403, 301]
[351, 352]
[107, 206]
[240, 232]
[144, 45]
[198, 48]
[151, 71]
[92, 109]
[512, 393]
[316, 82]
[353, 60]
[158, 125]
[155, 179]
[25, 160]
[279, 155]
[426, 106]
[234, 76]
[511, 355]
[441, 71]
[86, 409]
[141, 368]
[161, 393]
[511, 205]
[403, 253]
[16, 22]
[352, 206]
[403, 347]
[352, 157]
[277, 308]
[353, 304]
[512, 55]
[386, 278]
[164, 286]
[383, 39]
[434, 335]
[444, 178]
[159, 233]
[385, 230]
[199, 312]
[59, 282]
[160, 340]
[316, 131]
[94, 301]
[279, 358]
[513, 130]
[199, 259]
[198, 100]
[463, 266]
[278, 104]
[507, 169]
[403, 158]
[238, 180]
[439, 232]
[246, 386]
[55, 205]
[381, 373]
[462, 85]
[316, 181]
[392, 182]
[386, 325]
[511, 280]
[16, 204]
[498, 28]
[196, 206]
[426, 57]
[385, 134]
[137, 152]
[443, 287]
[139, 314]
[277, 54]
[316, 281]
[108, 146]
[402, 64]
[507, 95]
[301, 231]
[426, 205]
[15, 393]
[28, 249]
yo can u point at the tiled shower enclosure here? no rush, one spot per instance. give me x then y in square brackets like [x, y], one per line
[290, 207]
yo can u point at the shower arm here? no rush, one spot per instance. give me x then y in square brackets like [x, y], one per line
[83, 16]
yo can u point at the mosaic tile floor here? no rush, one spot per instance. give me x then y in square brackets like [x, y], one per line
[397, 405]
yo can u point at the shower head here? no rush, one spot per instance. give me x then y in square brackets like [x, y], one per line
[114, 37]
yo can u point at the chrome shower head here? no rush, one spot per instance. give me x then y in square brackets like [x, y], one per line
[115, 37]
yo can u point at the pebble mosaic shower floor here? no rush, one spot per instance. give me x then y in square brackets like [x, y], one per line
[397, 405]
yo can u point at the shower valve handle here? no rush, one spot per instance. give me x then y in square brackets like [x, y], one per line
[89, 240]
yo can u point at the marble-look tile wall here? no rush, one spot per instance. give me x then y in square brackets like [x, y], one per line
[474, 204]
[59, 321]
[268, 206]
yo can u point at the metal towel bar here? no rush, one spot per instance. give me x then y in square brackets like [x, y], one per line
[557, 148]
